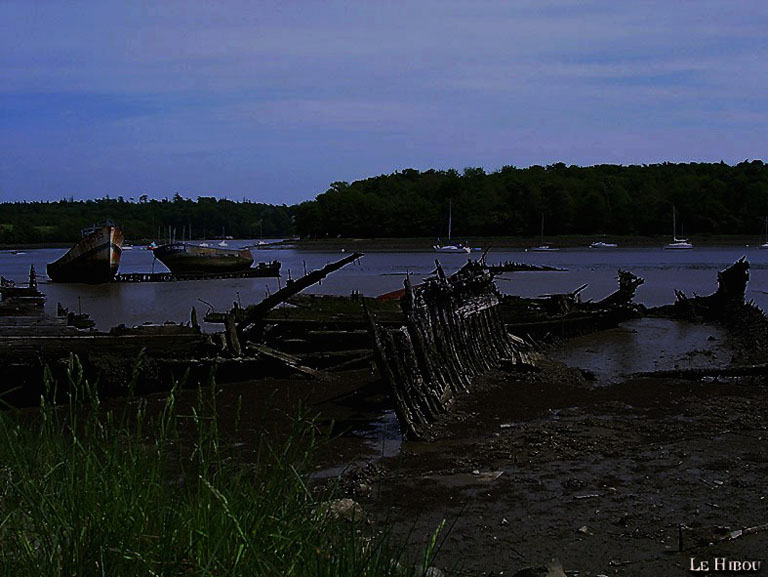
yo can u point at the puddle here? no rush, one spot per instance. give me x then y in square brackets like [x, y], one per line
[380, 438]
[643, 345]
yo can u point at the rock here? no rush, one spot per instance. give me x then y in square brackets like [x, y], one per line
[433, 572]
[340, 509]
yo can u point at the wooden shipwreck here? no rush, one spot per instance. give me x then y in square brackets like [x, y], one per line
[453, 332]
[144, 358]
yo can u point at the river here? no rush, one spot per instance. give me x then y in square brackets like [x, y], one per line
[692, 271]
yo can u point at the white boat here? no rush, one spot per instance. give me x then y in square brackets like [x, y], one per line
[677, 243]
[600, 244]
[456, 248]
[543, 247]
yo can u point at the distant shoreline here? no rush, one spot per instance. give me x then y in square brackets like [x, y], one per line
[510, 243]
[425, 244]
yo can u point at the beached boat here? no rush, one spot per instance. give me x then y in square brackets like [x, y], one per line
[187, 258]
[94, 259]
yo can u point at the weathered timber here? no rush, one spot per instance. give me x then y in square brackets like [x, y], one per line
[15, 300]
[746, 323]
[565, 315]
[285, 359]
[512, 266]
[628, 284]
[249, 321]
[452, 333]
[725, 303]
[261, 270]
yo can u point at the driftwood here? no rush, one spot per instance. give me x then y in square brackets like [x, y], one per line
[453, 332]
[722, 305]
[628, 284]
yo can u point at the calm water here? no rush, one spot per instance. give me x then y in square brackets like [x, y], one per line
[693, 271]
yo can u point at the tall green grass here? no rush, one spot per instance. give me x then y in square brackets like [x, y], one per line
[86, 490]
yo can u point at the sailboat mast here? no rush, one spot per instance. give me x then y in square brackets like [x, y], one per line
[450, 214]
[674, 226]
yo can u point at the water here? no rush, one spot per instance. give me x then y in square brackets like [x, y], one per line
[645, 345]
[693, 272]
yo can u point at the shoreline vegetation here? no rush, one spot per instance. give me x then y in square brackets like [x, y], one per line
[609, 201]
[154, 486]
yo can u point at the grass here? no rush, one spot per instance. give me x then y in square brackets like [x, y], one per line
[91, 491]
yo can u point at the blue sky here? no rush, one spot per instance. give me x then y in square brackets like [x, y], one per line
[273, 101]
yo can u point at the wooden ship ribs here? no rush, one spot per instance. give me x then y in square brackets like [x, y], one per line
[453, 332]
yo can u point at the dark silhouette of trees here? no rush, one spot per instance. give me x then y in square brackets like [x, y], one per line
[62, 221]
[602, 199]
[710, 198]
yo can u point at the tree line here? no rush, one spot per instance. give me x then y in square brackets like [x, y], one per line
[145, 219]
[710, 198]
[637, 200]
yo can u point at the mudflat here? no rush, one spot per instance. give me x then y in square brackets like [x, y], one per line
[633, 479]
[645, 476]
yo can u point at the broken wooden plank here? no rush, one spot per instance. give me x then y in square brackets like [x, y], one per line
[284, 358]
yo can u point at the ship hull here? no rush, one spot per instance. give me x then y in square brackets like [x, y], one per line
[189, 259]
[92, 260]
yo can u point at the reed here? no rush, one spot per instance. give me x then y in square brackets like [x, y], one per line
[88, 490]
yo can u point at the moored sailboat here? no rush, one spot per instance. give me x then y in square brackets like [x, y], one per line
[543, 247]
[677, 243]
[458, 247]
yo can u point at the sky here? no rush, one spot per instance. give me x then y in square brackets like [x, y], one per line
[273, 101]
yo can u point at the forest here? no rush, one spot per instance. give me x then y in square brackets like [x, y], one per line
[710, 199]
[635, 200]
[143, 220]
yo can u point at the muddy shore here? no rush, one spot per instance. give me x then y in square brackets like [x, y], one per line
[607, 480]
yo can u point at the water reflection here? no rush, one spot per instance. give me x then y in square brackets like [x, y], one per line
[645, 345]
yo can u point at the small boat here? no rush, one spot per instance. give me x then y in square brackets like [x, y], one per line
[93, 259]
[543, 247]
[600, 244]
[186, 258]
[677, 243]
[457, 248]
[452, 248]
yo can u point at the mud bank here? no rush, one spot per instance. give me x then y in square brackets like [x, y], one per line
[602, 479]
